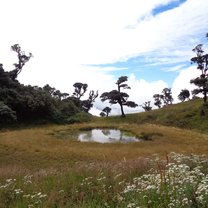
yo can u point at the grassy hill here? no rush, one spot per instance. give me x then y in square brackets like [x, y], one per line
[183, 115]
[45, 166]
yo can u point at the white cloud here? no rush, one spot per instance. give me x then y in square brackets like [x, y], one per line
[66, 36]
[182, 81]
[140, 92]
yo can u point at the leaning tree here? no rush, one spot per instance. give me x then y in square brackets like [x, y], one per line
[118, 97]
[22, 59]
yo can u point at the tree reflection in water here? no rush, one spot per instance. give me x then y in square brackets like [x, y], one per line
[106, 136]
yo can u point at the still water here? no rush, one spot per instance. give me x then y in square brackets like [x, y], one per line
[106, 136]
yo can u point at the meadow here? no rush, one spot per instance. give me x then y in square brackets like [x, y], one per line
[44, 166]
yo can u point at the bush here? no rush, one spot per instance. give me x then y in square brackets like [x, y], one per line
[7, 115]
[79, 118]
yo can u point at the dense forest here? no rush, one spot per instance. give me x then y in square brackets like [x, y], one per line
[22, 104]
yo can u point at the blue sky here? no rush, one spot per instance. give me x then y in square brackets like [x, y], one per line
[146, 68]
[149, 66]
[96, 41]
[166, 7]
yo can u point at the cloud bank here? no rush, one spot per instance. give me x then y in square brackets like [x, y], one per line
[71, 40]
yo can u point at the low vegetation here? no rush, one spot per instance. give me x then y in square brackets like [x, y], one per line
[189, 115]
[46, 167]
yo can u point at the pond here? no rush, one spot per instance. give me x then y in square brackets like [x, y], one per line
[106, 136]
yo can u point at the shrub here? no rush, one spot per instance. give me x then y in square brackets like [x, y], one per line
[79, 118]
[7, 115]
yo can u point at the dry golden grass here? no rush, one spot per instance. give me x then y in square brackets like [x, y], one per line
[43, 148]
[58, 162]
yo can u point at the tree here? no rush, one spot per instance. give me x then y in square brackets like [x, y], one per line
[158, 100]
[146, 106]
[79, 90]
[5, 80]
[167, 96]
[183, 95]
[7, 115]
[22, 59]
[201, 82]
[32, 103]
[102, 114]
[88, 104]
[106, 111]
[49, 89]
[118, 97]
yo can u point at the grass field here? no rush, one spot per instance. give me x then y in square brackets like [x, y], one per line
[44, 166]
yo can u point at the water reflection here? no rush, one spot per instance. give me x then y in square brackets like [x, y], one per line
[106, 136]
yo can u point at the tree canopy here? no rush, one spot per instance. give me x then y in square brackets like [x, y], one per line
[26, 103]
[201, 59]
[163, 99]
[118, 97]
[183, 95]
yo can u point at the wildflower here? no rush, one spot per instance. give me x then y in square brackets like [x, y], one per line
[43, 195]
[100, 179]
[185, 201]
[119, 197]
[26, 195]
[18, 191]
[131, 205]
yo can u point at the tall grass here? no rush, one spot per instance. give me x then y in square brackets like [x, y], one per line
[179, 181]
[45, 166]
[184, 115]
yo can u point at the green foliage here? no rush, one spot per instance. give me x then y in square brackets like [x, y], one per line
[118, 97]
[102, 114]
[79, 90]
[178, 181]
[165, 98]
[105, 112]
[22, 59]
[80, 118]
[86, 105]
[32, 103]
[201, 82]
[183, 95]
[146, 106]
[62, 111]
[181, 181]
[184, 115]
[158, 100]
[7, 115]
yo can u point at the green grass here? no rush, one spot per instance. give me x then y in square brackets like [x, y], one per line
[44, 166]
[183, 115]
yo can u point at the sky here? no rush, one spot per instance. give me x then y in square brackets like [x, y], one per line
[97, 41]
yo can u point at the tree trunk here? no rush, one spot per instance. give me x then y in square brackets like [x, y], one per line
[122, 111]
[205, 96]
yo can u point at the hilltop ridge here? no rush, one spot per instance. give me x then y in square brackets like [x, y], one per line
[183, 115]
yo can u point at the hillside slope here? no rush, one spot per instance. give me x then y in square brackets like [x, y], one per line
[183, 115]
